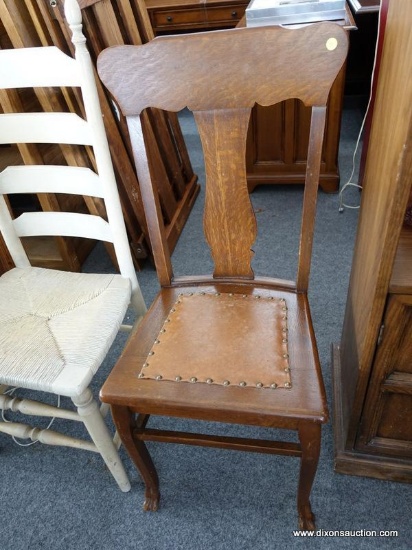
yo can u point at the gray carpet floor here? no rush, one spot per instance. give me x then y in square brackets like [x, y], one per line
[55, 498]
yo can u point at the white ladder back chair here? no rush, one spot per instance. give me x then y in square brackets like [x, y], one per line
[57, 327]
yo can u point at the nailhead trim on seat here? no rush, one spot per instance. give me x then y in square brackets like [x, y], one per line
[177, 377]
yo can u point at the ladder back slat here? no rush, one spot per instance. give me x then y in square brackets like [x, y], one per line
[66, 128]
[67, 224]
[73, 180]
[36, 67]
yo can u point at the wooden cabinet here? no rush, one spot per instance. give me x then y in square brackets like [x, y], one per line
[169, 16]
[278, 139]
[388, 404]
[372, 365]
[278, 136]
[362, 47]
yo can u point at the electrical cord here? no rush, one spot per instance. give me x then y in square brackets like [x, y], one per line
[350, 183]
[11, 392]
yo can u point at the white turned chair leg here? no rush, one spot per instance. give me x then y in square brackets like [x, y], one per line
[104, 409]
[89, 411]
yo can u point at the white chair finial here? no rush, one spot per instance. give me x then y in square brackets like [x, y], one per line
[73, 16]
[72, 12]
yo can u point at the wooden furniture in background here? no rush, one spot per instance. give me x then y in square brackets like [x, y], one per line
[384, 4]
[362, 47]
[106, 22]
[169, 16]
[6, 261]
[278, 136]
[364, 6]
[227, 347]
[8, 156]
[373, 363]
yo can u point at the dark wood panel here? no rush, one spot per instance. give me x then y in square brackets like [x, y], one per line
[388, 404]
[274, 160]
[373, 368]
[353, 462]
[401, 280]
[364, 6]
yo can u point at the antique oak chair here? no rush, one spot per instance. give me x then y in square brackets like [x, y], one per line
[56, 327]
[228, 347]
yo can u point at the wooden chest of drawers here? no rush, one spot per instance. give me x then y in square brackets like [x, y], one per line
[184, 15]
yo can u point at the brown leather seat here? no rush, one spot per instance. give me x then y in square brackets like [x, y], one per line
[228, 347]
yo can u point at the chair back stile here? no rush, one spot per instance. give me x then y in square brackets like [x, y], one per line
[102, 154]
[150, 198]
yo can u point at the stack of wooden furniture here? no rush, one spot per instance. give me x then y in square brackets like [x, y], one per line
[31, 23]
[373, 362]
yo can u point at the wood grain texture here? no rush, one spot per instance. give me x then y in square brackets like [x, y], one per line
[314, 154]
[168, 16]
[401, 278]
[151, 200]
[249, 54]
[86, 3]
[225, 352]
[389, 398]
[6, 262]
[227, 197]
[388, 177]
[268, 162]
[140, 77]
[254, 406]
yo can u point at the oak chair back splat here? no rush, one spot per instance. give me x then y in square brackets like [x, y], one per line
[215, 347]
[246, 76]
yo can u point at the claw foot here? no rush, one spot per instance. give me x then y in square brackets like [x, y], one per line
[151, 503]
[307, 520]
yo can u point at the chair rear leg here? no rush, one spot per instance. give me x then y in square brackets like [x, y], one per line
[125, 425]
[310, 438]
[90, 414]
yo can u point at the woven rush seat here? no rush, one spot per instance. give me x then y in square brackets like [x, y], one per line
[56, 327]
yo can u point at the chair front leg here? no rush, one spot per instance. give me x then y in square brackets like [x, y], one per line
[90, 414]
[310, 439]
[125, 425]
